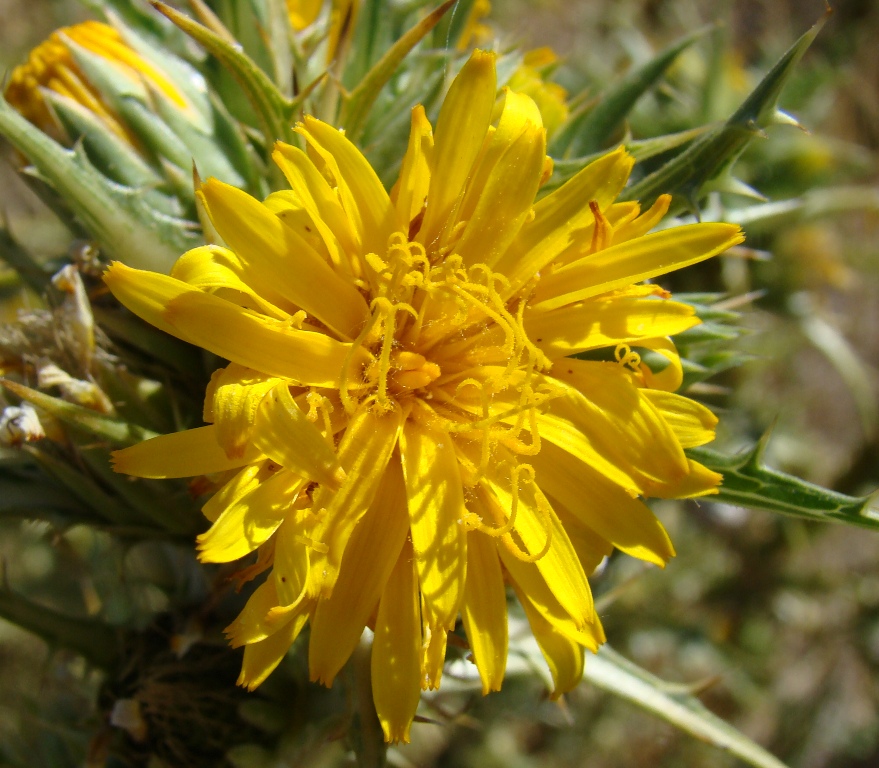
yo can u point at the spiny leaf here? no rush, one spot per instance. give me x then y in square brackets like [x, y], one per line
[708, 158]
[748, 482]
[813, 204]
[96, 641]
[124, 225]
[273, 110]
[151, 502]
[640, 149]
[27, 493]
[95, 424]
[85, 490]
[587, 132]
[613, 673]
[357, 104]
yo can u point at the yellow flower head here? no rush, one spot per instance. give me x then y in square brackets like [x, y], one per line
[404, 429]
[51, 66]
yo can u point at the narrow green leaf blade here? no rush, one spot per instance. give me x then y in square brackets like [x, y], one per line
[124, 225]
[615, 674]
[96, 641]
[708, 158]
[748, 482]
[588, 132]
[268, 102]
[96, 424]
[358, 103]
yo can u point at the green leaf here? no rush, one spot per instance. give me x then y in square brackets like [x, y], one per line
[812, 205]
[272, 109]
[748, 482]
[110, 155]
[96, 641]
[710, 157]
[97, 425]
[356, 105]
[101, 508]
[27, 493]
[25, 265]
[641, 149]
[124, 225]
[613, 673]
[588, 131]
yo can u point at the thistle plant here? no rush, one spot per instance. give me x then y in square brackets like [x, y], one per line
[365, 346]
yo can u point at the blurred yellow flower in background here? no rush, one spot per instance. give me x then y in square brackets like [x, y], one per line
[52, 66]
[404, 429]
[343, 16]
[530, 79]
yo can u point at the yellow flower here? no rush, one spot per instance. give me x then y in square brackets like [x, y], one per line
[303, 13]
[52, 66]
[475, 32]
[343, 16]
[551, 98]
[404, 429]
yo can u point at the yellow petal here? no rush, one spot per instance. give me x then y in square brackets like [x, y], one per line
[641, 225]
[625, 522]
[527, 580]
[261, 659]
[461, 127]
[436, 515]
[596, 323]
[251, 519]
[607, 410]
[364, 452]
[433, 656]
[244, 481]
[591, 548]
[290, 567]
[505, 199]
[237, 393]
[536, 525]
[564, 657]
[699, 481]
[484, 611]
[147, 294]
[634, 261]
[363, 196]
[563, 216]
[218, 270]
[410, 192]
[254, 341]
[295, 269]
[369, 558]
[318, 199]
[396, 651]
[692, 423]
[249, 626]
[180, 454]
[286, 436]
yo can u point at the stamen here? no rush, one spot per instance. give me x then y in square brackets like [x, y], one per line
[627, 358]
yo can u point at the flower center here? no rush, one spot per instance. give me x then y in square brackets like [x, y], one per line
[449, 349]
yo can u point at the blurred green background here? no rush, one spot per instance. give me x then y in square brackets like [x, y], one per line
[774, 620]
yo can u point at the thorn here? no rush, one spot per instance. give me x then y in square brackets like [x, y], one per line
[780, 117]
[756, 457]
[691, 203]
[734, 186]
